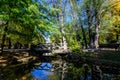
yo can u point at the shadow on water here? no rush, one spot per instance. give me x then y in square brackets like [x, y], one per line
[56, 69]
[19, 72]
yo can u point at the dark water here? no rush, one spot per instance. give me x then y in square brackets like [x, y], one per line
[54, 70]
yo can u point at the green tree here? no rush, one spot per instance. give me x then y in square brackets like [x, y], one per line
[24, 21]
[95, 10]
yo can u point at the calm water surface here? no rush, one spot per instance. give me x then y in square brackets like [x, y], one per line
[40, 74]
[56, 70]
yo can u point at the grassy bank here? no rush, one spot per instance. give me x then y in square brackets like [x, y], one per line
[106, 55]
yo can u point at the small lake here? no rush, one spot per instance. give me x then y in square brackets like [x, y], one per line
[56, 70]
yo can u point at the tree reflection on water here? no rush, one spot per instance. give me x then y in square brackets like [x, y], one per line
[16, 72]
[62, 70]
[54, 70]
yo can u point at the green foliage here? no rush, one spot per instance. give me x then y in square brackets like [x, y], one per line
[31, 21]
[74, 72]
[27, 20]
[54, 77]
[71, 36]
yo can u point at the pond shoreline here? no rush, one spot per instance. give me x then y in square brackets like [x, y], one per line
[14, 57]
[25, 56]
[25, 59]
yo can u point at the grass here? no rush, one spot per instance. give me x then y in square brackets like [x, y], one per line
[112, 56]
[106, 55]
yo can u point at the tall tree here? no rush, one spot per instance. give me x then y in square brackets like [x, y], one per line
[26, 20]
[62, 8]
[95, 9]
[89, 13]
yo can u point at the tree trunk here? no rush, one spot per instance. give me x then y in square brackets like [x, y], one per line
[83, 33]
[3, 42]
[9, 46]
[89, 22]
[97, 36]
[117, 37]
[97, 27]
[98, 8]
[4, 37]
[62, 26]
[73, 13]
[90, 32]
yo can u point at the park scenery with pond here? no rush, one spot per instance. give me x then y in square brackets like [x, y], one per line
[60, 40]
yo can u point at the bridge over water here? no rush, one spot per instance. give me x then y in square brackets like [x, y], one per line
[42, 48]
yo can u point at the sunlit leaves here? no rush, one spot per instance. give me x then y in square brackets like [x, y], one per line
[111, 21]
[28, 20]
[54, 11]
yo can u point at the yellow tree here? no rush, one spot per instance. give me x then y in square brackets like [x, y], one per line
[115, 14]
[111, 23]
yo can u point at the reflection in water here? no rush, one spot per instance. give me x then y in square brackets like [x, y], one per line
[41, 72]
[54, 70]
[16, 72]
[61, 70]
